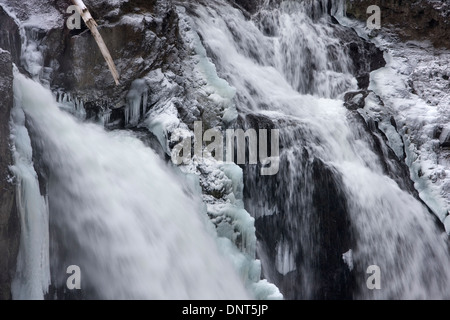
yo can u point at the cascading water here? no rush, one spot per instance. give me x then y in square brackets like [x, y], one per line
[334, 209]
[33, 270]
[132, 225]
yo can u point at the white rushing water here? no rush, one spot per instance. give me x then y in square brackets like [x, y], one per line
[281, 70]
[124, 217]
[33, 269]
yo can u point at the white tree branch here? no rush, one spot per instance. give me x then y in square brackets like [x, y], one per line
[92, 25]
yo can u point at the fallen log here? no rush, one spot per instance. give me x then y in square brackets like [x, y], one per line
[92, 25]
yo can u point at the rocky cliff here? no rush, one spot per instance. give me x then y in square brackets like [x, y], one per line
[10, 48]
[9, 221]
[411, 20]
[141, 36]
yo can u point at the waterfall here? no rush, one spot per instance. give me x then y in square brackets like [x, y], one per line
[33, 269]
[133, 226]
[334, 209]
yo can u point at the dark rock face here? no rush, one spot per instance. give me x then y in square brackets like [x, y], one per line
[314, 225]
[412, 19]
[9, 36]
[73, 63]
[355, 100]
[301, 216]
[334, 236]
[9, 221]
[251, 6]
[365, 56]
[137, 46]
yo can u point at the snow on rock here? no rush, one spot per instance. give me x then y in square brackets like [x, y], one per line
[413, 90]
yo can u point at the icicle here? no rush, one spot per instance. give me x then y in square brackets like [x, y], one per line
[32, 276]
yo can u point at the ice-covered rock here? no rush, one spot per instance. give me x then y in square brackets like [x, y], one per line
[9, 219]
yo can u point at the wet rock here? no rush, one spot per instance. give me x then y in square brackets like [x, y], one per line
[251, 6]
[9, 221]
[315, 228]
[335, 236]
[444, 138]
[411, 20]
[365, 56]
[355, 100]
[9, 36]
[302, 228]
